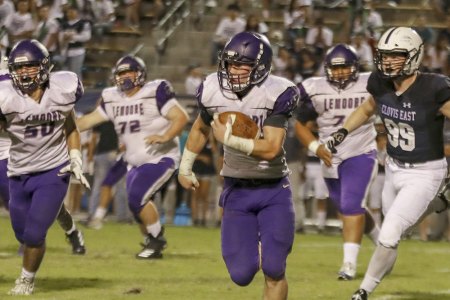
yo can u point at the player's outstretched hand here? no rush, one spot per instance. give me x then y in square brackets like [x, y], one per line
[336, 138]
[75, 167]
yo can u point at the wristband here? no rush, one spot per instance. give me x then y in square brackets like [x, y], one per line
[187, 161]
[313, 146]
[241, 144]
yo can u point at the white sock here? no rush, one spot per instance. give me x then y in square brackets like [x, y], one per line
[28, 275]
[154, 229]
[321, 218]
[351, 251]
[373, 235]
[381, 264]
[100, 213]
[72, 229]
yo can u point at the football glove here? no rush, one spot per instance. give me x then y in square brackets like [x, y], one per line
[75, 167]
[442, 194]
[336, 138]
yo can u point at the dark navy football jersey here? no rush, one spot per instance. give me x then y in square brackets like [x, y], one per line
[413, 120]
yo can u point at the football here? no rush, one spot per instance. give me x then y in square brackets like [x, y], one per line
[243, 125]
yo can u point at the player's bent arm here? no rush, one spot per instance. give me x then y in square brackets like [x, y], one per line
[178, 118]
[270, 146]
[445, 109]
[360, 115]
[90, 120]
[197, 139]
[72, 133]
[198, 136]
[306, 137]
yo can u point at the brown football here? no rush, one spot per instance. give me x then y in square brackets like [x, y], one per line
[243, 125]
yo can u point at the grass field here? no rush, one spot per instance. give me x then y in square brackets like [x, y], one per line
[193, 268]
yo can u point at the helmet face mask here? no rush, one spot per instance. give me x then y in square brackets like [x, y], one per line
[341, 66]
[399, 52]
[129, 72]
[29, 65]
[249, 51]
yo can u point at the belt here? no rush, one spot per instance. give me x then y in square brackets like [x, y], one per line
[240, 182]
[403, 164]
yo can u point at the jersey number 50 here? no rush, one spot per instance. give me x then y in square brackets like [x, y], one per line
[400, 134]
[43, 130]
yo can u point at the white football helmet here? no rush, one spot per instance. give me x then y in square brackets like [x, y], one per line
[400, 40]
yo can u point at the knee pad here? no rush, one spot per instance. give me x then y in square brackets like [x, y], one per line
[390, 235]
[273, 271]
[33, 240]
[243, 276]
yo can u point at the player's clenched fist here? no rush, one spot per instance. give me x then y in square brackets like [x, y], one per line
[336, 138]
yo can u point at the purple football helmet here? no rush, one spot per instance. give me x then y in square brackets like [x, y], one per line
[247, 48]
[341, 55]
[130, 63]
[29, 53]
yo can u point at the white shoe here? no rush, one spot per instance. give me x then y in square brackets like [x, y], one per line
[347, 271]
[24, 286]
[95, 223]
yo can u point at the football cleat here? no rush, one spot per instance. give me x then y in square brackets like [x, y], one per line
[95, 223]
[77, 241]
[360, 294]
[24, 286]
[153, 247]
[347, 271]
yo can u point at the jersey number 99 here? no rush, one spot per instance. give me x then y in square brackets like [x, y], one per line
[400, 134]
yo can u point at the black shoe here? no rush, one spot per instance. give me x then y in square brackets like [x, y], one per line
[153, 247]
[360, 294]
[77, 241]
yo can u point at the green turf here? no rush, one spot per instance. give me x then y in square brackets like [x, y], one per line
[193, 268]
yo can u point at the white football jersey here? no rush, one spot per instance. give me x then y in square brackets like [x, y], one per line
[333, 107]
[36, 130]
[5, 141]
[139, 116]
[5, 144]
[275, 96]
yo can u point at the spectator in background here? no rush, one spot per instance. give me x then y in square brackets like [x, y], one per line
[56, 9]
[426, 32]
[446, 31]
[436, 56]
[255, 25]
[102, 17]
[319, 37]
[282, 62]
[47, 30]
[132, 18]
[363, 51]
[296, 18]
[307, 64]
[374, 22]
[20, 25]
[204, 169]
[6, 9]
[228, 26]
[104, 147]
[193, 79]
[75, 33]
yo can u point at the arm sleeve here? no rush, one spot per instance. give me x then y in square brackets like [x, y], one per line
[204, 114]
[283, 108]
[305, 111]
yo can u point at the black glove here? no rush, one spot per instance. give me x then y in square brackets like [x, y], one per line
[442, 195]
[336, 138]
